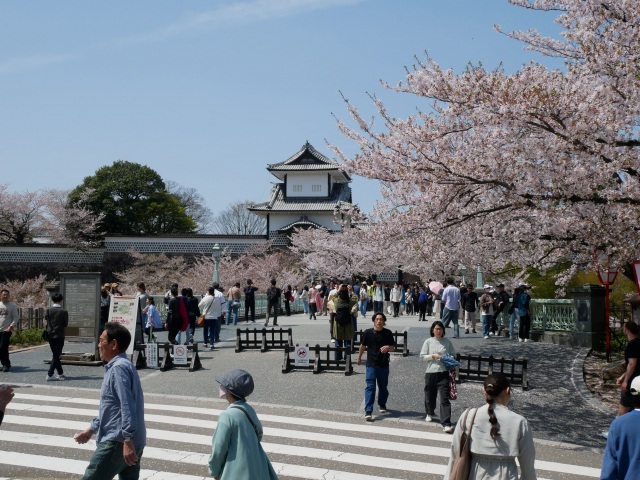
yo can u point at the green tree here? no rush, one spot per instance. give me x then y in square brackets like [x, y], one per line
[133, 200]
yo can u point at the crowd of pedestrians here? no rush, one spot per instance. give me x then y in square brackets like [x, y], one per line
[498, 435]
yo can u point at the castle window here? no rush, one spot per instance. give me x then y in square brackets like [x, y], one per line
[297, 188]
[316, 188]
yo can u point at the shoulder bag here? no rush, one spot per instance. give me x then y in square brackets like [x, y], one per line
[462, 464]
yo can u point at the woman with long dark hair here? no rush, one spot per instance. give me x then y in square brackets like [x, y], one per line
[498, 437]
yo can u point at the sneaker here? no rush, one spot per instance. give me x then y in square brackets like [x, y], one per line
[491, 333]
[368, 417]
[50, 378]
[6, 368]
[333, 340]
[428, 418]
[383, 410]
[473, 331]
[448, 429]
[466, 331]
[520, 340]
[527, 339]
[206, 345]
[266, 324]
[485, 337]
[62, 378]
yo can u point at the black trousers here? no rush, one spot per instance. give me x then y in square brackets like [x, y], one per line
[249, 305]
[525, 326]
[287, 308]
[4, 348]
[396, 309]
[422, 311]
[437, 384]
[56, 345]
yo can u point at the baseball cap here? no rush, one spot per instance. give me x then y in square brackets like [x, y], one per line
[634, 389]
[487, 287]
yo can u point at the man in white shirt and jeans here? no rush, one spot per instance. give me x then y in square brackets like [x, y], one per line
[451, 300]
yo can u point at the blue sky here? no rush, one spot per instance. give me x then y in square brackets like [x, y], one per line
[209, 93]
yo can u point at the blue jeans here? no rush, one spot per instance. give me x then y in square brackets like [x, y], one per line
[340, 343]
[108, 461]
[363, 307]
[232, 311]
[378, 306]
[451, 316]
[379, 375]
[305, 306]
[211, 330]
[486, 324]
[512, 322]
[187, 334]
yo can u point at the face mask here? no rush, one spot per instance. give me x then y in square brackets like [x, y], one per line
[223, 392]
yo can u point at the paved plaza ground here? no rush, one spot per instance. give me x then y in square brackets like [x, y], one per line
[557, 405]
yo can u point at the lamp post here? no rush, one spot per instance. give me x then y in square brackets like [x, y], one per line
[607, 278]
[479, 279]
[313, 275]
[463, 271]
[216, 260]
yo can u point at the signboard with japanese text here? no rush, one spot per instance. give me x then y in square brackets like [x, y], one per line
[126, 311]
[180, 354]
[152, 355]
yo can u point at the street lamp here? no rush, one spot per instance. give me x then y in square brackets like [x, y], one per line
[463, 271]
[479, 279]
[216, 260]
[607, 277]
[313, 275]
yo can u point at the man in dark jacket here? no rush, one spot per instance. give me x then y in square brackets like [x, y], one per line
[500, 305]
[174, 317]
[57, 320]
[470, 302]
[273, 302]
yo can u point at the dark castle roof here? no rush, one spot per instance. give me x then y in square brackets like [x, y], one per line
[307, 159]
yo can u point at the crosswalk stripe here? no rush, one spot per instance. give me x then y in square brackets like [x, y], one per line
[304, 422]
[427, 454]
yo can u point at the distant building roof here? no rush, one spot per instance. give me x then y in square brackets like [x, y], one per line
[340, 193]
[303, 221]
[307, 159]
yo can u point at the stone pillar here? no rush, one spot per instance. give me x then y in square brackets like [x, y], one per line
[589, 315]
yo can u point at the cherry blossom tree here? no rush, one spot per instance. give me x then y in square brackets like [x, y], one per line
[46, 213]
[529, 168]
[27, 293]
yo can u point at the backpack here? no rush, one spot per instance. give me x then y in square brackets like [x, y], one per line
[343, 312]
[273, 294]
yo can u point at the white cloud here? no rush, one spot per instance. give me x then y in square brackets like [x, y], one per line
[15, 65]
[236, 13]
